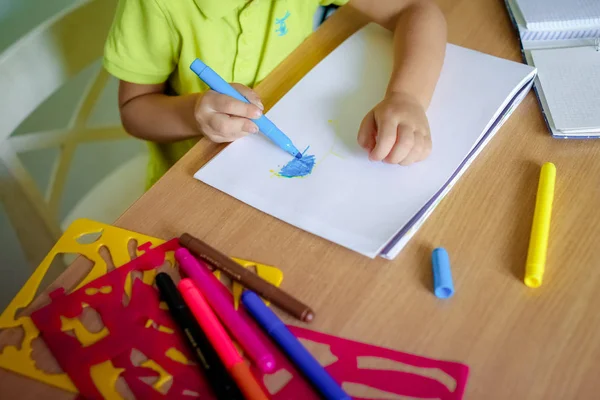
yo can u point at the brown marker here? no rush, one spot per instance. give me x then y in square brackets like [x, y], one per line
[247, 278]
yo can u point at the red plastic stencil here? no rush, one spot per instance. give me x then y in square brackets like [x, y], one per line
[139, 323]
[364, 371]
[365, 368]
[133, 321]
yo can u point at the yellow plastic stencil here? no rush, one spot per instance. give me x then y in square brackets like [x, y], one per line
[102, 374]
[267, 272]
[76, 240]
[116, 240]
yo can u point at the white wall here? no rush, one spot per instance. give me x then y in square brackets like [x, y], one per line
[91, 162]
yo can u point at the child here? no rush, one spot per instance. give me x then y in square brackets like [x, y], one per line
[153, 42]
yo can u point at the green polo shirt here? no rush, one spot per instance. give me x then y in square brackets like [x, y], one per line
[154, 41]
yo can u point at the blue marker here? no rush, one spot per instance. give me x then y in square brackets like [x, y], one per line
[442, 275]
[218, 84]
[292, 347]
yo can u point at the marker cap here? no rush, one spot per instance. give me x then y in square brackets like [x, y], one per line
[443, 287]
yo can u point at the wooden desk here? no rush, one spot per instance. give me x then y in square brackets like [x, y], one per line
[520, 343]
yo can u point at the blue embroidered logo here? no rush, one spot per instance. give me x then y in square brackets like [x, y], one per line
[282, 27]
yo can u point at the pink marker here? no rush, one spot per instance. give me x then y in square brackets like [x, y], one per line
[221, 303]
[209, 323]
[233, 361]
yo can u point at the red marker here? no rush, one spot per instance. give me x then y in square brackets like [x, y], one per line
[233, 361]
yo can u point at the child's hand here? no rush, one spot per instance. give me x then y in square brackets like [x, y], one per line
[224, 119]
[396, 131]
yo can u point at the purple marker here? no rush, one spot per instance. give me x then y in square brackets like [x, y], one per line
[220, 302]
[291, 346]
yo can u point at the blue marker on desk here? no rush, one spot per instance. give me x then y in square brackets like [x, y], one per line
[292, 347]
[268, 128]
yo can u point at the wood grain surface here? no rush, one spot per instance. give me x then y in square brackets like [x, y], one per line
[520, 343]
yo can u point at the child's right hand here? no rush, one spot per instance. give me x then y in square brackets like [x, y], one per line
[224, 119]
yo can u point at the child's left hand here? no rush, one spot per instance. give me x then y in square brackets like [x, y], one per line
[396, 131]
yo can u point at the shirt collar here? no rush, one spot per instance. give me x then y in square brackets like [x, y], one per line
[215, 9]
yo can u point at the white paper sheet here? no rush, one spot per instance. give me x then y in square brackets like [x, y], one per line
[348, 199]
[395, 246]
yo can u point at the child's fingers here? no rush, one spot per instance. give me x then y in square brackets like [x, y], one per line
[427, 146]
[227, 105]
[386, 137]
[401, 146]
[249, 94]
[231, 128]
[366, 132]
[416, 151]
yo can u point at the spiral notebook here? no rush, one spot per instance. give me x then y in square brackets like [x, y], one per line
[561, 38]
[371, 208]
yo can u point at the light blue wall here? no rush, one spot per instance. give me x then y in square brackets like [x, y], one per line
[17, 17]
[91, 162]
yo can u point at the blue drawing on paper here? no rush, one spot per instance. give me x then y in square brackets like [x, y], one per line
[281, 24]
[298, 168]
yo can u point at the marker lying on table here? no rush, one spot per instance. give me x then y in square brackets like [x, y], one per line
[239, 370]
[292, 347]
[223, 307]
[247, 278]
[540, 229]
[207, 358]
[268, 128]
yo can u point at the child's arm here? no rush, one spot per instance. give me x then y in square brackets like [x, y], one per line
[148, 113]
[397, 130]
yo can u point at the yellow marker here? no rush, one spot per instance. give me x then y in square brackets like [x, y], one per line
[538, 242]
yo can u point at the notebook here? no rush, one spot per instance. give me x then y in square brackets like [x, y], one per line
[561, 38]
[371, 208]
[560, 15]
